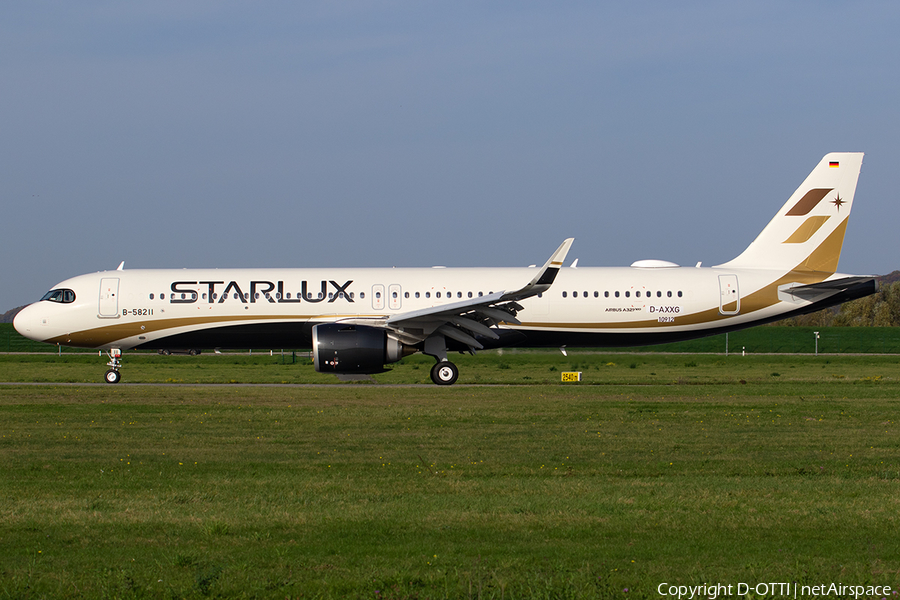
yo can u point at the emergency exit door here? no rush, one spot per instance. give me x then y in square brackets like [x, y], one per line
[378, 296]
[394, 300]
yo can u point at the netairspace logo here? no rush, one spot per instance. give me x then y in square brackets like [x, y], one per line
[772, 589]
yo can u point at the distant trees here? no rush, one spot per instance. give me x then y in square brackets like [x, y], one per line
[9, 315]
[881, 309]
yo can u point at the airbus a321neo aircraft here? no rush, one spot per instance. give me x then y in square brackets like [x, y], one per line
[358, 320]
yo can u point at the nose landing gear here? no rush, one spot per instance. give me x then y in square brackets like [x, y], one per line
[115, 362]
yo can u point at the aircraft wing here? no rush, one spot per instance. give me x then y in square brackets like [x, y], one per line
[463, 320]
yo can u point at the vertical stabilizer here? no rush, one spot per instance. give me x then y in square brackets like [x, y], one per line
[808, 231]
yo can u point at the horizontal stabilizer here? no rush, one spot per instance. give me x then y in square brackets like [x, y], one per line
[856, 287]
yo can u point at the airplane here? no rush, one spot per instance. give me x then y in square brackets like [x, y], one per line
[360, 320]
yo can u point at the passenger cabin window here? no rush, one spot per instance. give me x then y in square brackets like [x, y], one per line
[62, 296]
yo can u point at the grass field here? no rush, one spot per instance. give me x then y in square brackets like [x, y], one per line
[779, 339]
[683, 469]
[495, 367]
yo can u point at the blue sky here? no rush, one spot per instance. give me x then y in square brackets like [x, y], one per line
[235, 134]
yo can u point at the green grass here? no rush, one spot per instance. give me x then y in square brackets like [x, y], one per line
[506, 367]
[779, 339]
[508, 491]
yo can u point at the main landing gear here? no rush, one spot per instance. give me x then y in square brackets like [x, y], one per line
[444, 373]
[115, 362]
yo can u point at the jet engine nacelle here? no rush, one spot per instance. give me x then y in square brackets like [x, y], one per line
[342, 348]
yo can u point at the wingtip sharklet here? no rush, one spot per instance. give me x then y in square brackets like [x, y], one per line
[545, 276]
[548, 272]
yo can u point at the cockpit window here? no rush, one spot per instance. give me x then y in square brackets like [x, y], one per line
[62, 296]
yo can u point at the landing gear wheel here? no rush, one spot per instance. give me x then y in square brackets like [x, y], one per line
[444, 373]
[112, 376]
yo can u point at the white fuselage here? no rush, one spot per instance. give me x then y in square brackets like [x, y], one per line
[585, 306]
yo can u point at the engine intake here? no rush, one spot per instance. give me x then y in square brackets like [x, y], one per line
[342, 348]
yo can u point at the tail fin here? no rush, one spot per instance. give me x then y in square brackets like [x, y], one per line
[808, 231]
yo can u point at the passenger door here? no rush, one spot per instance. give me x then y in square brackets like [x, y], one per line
[729, 298]
[109, 297]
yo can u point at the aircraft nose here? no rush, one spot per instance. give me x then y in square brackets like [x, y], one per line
[27, 321]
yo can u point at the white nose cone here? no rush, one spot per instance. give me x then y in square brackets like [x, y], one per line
[26, 322]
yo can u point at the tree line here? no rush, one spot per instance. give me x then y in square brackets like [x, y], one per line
[881, 309]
